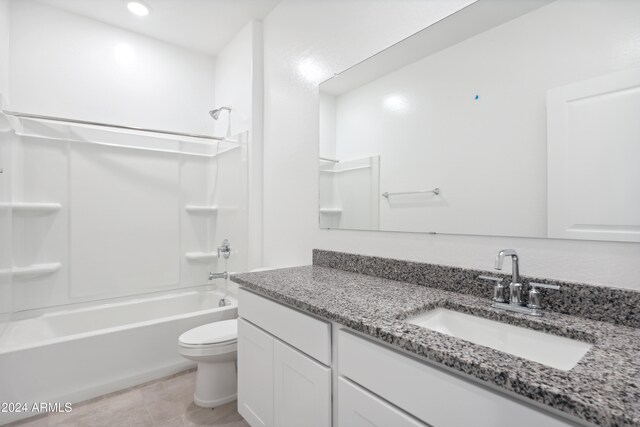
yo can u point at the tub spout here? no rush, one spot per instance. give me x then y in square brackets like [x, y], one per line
[223, 275]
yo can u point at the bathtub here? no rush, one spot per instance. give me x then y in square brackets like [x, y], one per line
[77, 354]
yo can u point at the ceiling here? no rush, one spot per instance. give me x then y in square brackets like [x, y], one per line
[205, 26]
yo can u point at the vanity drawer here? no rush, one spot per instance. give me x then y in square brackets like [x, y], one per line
[359, 408]
[308, 334]
[431, 394]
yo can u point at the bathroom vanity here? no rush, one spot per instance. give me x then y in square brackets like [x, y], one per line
[284, 371]
[337, 343]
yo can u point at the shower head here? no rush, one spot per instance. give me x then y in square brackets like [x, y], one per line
[216, 113]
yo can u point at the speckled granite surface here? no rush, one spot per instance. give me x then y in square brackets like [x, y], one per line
[607, 304]
[604, 388]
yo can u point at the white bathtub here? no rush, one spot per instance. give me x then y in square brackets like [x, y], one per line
[78, 354]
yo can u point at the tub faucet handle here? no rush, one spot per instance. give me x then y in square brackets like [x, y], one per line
[224, 251]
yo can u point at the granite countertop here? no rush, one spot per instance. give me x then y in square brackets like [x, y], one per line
[604, 387]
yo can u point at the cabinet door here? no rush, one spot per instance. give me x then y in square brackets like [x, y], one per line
[255, 375]
[359, 408]
[302, 389]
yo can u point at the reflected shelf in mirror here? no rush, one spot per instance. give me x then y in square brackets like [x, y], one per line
[327, 159]
[201, 209]
[330, 211]
[355, 168]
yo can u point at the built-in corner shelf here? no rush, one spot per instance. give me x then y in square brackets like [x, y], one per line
[201, 256]
[32, 271]
[35, 208]
[201, 209]
[355, 168]
[331, 211]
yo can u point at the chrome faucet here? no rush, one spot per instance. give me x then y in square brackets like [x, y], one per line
[515, 302]
[223, 275]
[224, 251]
[224, 302]
[515, 287]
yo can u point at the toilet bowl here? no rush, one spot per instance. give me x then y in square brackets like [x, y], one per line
[214, 348]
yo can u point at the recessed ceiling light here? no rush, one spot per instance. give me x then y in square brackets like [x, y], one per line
[138, 8]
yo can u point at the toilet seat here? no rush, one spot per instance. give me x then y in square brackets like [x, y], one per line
[217, 334]
[206, 352]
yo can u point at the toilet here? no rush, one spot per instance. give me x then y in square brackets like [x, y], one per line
[214, 347]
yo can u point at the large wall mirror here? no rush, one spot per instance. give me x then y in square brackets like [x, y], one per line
[516, 118]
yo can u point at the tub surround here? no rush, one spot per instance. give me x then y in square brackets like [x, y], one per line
[601, 389]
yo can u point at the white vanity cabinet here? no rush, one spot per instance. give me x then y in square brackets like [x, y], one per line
[359, 408]
[279, 383]
[286, 373]
[301, 389]
[255, 375]
[431, 394]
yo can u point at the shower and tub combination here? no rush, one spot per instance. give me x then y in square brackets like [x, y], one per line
[108, 236]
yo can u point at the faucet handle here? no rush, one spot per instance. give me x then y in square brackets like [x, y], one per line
[534, 295]
[493, 278]
[544, 285]
[498, 289]
[224, 251]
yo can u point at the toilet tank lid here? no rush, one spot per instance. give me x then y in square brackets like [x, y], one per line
[211, 333]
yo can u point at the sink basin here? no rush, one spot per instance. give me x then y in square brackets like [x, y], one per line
[551, 350]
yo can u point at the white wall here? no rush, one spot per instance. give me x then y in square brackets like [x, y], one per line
[6, 306]
[70, 66]
[4, 47]
[239, 84]
[233, 76]
[305, 43]
[487, 155]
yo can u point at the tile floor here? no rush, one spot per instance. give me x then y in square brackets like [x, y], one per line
[167, 402]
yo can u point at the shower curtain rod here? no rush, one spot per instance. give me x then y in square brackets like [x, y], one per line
[85, 122]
